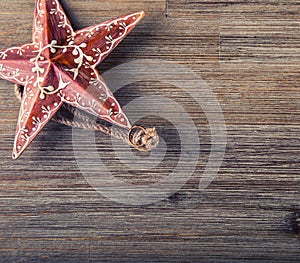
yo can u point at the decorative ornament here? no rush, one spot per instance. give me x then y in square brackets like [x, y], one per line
[59, 68]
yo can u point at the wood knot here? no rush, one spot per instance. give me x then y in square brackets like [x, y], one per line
[295, 223]
[144, 140]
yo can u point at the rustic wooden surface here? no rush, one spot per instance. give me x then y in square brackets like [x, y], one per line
[249, 54]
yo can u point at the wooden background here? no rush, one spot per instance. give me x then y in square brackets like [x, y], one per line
[248, 52]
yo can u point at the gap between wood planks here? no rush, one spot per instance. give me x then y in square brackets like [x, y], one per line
[167, 8]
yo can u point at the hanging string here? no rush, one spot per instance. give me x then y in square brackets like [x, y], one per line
[139, 137]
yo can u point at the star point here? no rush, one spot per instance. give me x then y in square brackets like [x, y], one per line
[60, 67]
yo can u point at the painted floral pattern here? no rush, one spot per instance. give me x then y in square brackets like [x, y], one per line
[60, 67]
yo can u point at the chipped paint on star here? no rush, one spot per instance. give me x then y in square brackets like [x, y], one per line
[60, 67]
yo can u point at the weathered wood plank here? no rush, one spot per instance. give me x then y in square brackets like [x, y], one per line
[248, 53]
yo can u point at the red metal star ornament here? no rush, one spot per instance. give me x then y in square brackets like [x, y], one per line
[60, 67]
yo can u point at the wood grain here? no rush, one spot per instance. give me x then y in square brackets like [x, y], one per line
[248, 53]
